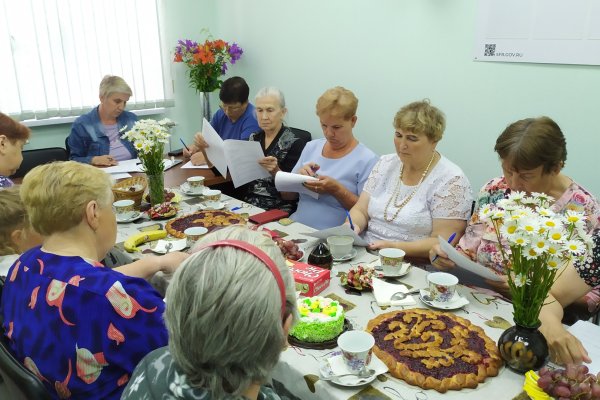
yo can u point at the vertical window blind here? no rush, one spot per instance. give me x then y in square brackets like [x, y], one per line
[55, 52]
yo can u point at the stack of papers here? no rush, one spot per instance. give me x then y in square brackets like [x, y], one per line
[588, 334]
[134, 165]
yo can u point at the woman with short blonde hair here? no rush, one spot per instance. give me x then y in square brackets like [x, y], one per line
[79, 326]
[228, 319]
[416, 194]
[95, 137]
[340, 163]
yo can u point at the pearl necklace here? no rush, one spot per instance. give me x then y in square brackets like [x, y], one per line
[394, 196]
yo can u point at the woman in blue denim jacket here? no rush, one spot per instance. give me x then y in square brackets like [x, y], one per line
[95, 137]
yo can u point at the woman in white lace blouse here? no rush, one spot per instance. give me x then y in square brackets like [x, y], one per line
[415, 195]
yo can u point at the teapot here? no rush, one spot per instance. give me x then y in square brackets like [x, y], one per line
[320, 256]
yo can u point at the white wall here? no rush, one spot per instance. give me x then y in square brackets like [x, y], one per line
[390, 52]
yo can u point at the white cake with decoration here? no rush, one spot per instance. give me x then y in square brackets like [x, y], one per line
[321, 320]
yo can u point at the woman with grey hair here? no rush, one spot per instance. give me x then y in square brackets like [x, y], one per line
[282, 148]
[95, 137]
[229, 309]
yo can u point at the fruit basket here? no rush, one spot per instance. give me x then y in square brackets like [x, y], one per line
[130, 189]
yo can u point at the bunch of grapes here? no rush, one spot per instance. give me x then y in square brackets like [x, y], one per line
[572, 382]
[290, 250]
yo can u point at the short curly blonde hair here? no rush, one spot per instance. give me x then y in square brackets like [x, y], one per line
[421, 117]
[339, 102]
[113, 84]
[56, 194]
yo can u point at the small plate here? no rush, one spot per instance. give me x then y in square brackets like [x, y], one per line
[406, 267]
[185, 188]
[347, 257]
[457, 301]
[178, 245]
[350, 380]
[218, 205]
[136, 215]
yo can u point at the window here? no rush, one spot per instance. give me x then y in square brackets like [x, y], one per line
[55, 52]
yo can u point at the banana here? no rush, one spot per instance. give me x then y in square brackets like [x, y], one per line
[132, 241]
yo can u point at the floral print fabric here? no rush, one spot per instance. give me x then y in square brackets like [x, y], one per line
[157, 377]
[5, 182]
[79, 326]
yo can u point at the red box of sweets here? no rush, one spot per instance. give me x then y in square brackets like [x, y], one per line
[310, 280]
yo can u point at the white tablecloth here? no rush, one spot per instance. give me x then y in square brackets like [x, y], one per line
[298, 368]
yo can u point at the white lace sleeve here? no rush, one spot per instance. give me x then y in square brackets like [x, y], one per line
[453, 200]
[378, 175]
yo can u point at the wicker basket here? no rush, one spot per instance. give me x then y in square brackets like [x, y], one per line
[122, 191]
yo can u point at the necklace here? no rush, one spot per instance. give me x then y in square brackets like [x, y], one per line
[394, 196]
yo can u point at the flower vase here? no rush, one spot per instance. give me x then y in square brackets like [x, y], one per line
[205, 105]
[156, 188]
[523, 348]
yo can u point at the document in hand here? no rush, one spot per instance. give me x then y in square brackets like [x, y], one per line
[286, 182]
[465, 263]
[342, 230]
[239, 156]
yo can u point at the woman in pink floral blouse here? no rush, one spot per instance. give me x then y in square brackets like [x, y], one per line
[532, 153]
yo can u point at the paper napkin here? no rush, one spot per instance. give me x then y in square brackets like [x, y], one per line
[383, 291]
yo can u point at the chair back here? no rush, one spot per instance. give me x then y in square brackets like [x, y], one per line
[33, 158]
[16, 380]
[302, 134]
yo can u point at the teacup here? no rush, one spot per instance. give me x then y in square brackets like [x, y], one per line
[195, 184]
[193, 234]
[357, 348]
[339, 246]
[124, 208]
[442, 286]
[212, 195]
[392, 260]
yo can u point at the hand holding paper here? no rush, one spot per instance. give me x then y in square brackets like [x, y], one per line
[286, 182]
[465, 263]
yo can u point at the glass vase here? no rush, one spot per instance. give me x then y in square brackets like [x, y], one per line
[205, 105]
[523, 348]
[156, 188]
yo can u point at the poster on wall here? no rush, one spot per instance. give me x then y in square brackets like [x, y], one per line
[538, 31]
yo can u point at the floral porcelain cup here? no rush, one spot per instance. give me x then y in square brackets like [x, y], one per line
[392, 260]
[442, 286]
[357, 349]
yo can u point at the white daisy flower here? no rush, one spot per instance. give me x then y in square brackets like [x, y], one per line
[574, 246]
[521, 280]
[485, 212]
[516, 196]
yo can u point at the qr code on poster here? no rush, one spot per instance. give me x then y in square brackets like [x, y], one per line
[490, 50]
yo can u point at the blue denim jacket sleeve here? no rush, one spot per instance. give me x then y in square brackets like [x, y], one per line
[87, 139]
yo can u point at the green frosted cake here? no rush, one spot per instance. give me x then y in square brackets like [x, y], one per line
[321, 319]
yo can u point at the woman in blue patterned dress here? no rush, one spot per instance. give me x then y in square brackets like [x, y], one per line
[79, 326]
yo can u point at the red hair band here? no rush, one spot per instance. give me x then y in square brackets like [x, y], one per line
[261, 255]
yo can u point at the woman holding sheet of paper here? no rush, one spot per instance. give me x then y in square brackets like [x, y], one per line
[282, 148]
[532, 153]
[339, 161]
[416, 194]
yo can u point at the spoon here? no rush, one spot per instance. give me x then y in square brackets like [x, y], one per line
[168, 247]
[364, 375]
[403, 295]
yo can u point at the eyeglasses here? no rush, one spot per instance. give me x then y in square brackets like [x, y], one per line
[230, 108]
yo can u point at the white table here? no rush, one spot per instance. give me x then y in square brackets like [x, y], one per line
[298, 367]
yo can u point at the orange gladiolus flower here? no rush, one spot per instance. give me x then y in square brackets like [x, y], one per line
[178, 58]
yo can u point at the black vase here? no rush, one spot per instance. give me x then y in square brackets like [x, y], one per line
[320, 256]
[523, 348]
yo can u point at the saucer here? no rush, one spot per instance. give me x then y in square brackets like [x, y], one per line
[136, 215]
[405, 269]
[457, 301]
[185, 188]
[178, 245]
[347, 257]
[336, 362]
[219, 205]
